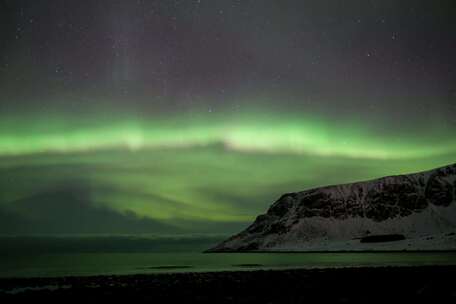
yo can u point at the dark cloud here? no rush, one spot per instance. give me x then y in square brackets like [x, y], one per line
[68, 211]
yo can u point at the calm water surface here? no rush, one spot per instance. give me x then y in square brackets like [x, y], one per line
[38, 257]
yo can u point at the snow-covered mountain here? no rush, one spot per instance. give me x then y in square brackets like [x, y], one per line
[404, 212]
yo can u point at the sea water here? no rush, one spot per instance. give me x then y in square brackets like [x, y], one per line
[46, 256]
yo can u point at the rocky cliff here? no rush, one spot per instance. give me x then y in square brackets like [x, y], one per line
[404, 212]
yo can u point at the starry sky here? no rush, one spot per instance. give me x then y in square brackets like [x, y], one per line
[193, 116]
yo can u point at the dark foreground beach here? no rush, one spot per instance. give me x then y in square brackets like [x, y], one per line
[343, 285]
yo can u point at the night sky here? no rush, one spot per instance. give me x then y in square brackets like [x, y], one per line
[194, 116]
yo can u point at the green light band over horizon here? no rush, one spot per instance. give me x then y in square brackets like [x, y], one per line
[276, 134]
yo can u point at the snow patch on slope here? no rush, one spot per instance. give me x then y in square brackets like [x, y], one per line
[420, 207]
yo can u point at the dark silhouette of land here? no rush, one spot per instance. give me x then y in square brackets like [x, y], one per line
[345, 285]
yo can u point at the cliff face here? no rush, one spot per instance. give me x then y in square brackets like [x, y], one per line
[419, 208]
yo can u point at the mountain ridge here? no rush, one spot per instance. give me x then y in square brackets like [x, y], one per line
[418, 206]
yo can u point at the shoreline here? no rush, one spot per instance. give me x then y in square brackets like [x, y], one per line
[358, 284]
[330, 251]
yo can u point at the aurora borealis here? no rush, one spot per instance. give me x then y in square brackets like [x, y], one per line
[193, 116]
[243, 132]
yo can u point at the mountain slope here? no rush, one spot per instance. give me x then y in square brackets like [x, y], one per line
[417, 211]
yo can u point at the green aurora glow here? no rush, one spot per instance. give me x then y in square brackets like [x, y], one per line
[206, 173]
[247, 132]
[194, 116]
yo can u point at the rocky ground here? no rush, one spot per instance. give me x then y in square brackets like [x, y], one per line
[347, 285]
